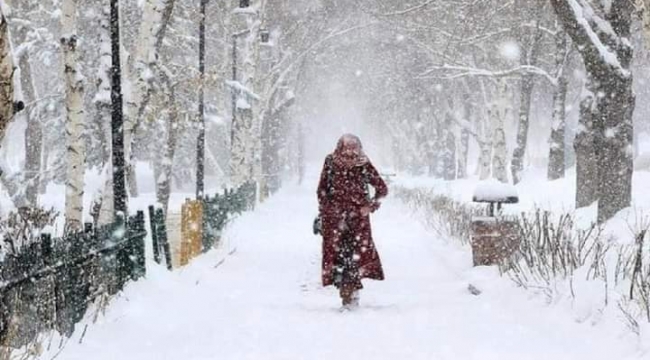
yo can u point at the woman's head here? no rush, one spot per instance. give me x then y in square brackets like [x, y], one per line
[349, 151]
[350, 144]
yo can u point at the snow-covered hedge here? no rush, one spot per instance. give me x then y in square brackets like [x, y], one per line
[557, 258]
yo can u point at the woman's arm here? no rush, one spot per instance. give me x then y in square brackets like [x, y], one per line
[381, 190]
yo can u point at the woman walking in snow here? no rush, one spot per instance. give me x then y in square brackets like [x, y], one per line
[349, 253]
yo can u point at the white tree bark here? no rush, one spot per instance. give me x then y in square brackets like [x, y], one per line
[463, 143]
[484, 138]
[556, 155]
[103, 105]
[74, 122]
[164, 173]
[243, 157]
[6, 76]
[155, 16]
[106, 210]
[501, 110]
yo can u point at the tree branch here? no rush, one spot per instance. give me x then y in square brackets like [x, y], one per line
[463, 71]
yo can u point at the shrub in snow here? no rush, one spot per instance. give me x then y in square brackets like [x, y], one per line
[24, 226]
[558, 258]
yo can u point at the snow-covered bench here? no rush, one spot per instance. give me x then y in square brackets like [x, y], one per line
[494, 193]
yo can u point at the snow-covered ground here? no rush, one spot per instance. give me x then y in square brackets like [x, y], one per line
[265, 302]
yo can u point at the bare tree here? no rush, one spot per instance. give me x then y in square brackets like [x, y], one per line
[530, 41]
[556, 165]
[601, 33]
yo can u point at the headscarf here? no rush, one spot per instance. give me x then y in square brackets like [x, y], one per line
[349, 152]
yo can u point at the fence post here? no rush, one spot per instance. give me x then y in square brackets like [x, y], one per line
[208, 216]
[79, 273]
[154, 235]
[88, 227]
[117, 235]
[138, 242]
[49, 303]
[162, 237]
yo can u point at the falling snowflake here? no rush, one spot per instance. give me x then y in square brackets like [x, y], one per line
[509, 50]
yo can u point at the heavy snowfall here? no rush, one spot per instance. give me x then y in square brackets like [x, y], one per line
[324, 179]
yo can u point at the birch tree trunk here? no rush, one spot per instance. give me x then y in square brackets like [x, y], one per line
[74, 119]
[246, 147]
[556, 155]
[484, 138]
[431, 141]
[464, 142]
[164, 179]
[499, 167]
[33, 133]
[155, 19]
[449, 150]
[485, 155]
[103, 112]
[500, 111]
[518, 154]
[527, 85]
[6, 76]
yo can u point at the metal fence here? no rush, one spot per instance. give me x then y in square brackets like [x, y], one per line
[49, 284]
[203, 221]
[217, 210]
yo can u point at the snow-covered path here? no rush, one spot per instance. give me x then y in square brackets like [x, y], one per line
[264, 302]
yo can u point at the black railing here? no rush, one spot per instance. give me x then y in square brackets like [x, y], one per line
[49, 284]
[218, 209]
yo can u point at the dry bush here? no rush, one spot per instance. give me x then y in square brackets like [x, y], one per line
[552, 248]
[24, 226]
[445, 216]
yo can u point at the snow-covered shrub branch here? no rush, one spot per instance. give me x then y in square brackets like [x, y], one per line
[557, 257]
[24, 226]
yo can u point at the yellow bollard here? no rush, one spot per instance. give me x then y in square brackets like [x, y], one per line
[191, 230]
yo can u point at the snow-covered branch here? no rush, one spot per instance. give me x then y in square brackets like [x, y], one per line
[589, 31]
[462, 71]
[240, 88]
[411, 9]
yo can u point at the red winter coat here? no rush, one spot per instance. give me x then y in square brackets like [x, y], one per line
[341, 208]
